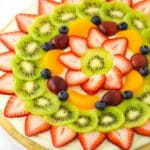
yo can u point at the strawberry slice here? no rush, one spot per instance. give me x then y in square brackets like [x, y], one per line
[113, 79]
[24, 21]
[122, 63]
[61, 135]
[46, 6]
[3, 47]
[11, 38]
[35, 125]
[78, 45]
[14, 108]
[71, 1]
[75, 77]
[6, 83]
[90, 141]
[94, 84]
[5, 61]
[116, 45]
[122, 138]
[69, 60]
[144, 129]
[95, 38]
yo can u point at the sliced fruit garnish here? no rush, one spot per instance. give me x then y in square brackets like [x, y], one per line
[71, 1]
[128, 2]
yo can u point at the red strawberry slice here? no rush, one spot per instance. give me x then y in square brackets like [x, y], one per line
[78, 45]
[90, 141]
[14, 108]
[94, 84]
[5, 61]
[3, 47]
[144, 129]
[6, 83]
[24, 21]
[116, 45]
[71, 1]
[69, 60]
[122, 63]
[11, 38]
[35, 125]
[143, 6]
[113, 79]
[46, 6]
[122, 138]
[75, 77]
[61, 135]
[95, 38]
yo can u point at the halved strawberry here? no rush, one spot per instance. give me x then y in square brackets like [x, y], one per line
[78, 45]
[116, 45]
[24, 21]
[6, 83]
[122, 63]
[5, 61]
[95, 38]
[144, 129]
[70, 60]
[113, 79]
[14, 108]
[122, 138]
[94, 84]
[90, 141]
[35, 125]
[11, 38]
[61, 135]
[71, 1]
[75, 77]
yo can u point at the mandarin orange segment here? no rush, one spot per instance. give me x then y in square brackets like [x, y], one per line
[82, 101]
[50, 61]
[80, 27]
[134, 81]
[134, 40]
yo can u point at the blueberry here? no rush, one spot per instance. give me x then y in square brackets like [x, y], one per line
[47, 46]
[46, 73]
[144, 71]
[96, 20]
[127, 94]
[100, 105]
[63, 95]
[144, 49]
[63, 30]
[123, 26]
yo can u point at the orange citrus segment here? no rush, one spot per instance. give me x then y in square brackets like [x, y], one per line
[134, 81]
[80, 27]
[50, 61]
[82, 101]
[134, 40]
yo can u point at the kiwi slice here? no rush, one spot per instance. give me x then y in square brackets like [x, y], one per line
[109, 119]
[63, 14]
[96, 61]
[43, 29]
[46, 104]
[26, 70]
[89, 8]
[66, 113]
[86, 122]
[29, 49]
[29, 89]
[114, 11]
[136, 112]
[146, 37]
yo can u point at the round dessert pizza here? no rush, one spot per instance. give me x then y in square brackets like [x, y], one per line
[75, 75]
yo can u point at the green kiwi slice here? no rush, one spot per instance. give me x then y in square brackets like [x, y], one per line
[46, 104]
[63, 14]
[26, 70]
[96, 61]
[86, 122]
[114, 11]
[29, 49]
[146, 36]
[109, 119]
[136, 112]
[43, 29]
[66, 113]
